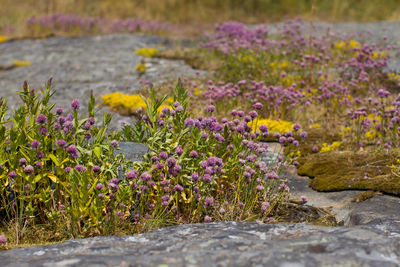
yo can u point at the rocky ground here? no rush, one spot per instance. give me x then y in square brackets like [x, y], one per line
[104, 64]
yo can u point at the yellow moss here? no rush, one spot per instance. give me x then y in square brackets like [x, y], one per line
[146, 52]
[129, 103]
[315, 125]
[274, 126]
[347, 45]
[377, 55]
[3, 38]
[326, 148]
[141, 68]
[120, 101]
[364, 196]
[21, 63]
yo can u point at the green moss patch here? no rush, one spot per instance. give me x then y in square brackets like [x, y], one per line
[344, 170]
[364, 196]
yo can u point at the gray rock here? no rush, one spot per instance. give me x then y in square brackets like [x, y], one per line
[132, 151]
[341, 203]
[226, 244]
[104, 64]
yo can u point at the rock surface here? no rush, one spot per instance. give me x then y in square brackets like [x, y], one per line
[226, 244]
[104, 64]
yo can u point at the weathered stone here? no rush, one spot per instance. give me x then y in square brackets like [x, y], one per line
[226, 244]
[132, 151]
[342, 203]
[78, 65]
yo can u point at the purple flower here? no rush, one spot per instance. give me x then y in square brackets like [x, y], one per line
[39, 164]
[314, 149]
[204, 135]
[303, 134]
[75, 104]
[209, 202]
[91, 120]
[28, 169]
[12, 174]
[207, 178]
[210, 108]
[171, 162]
[43, 130]
[163, 155]
[35, 144]
[22, 161]
[159, 166]
[263, 128]
[101, 195]
[99, 186]
[114, 143]
[96, 168]
[179, 150]
[258, 106]
[207, 219]
[61, 143]
[193, 154]
[67, 169]
[179, 109]
[296, 127]
[113, 186]
[80, 168]
[72, 151]
[264, 206]
[253, 114]
[132, 174]
[219, 137]
[178, 188]
[59, 111]
[303, 199]
[41, 119]
[259, 188]
[154, 159]
[189, 122]
[165, 110]
[195, 177]
[3, 240]
[145, 176]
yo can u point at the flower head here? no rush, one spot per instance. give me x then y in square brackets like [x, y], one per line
[75, 104]
[41, 119]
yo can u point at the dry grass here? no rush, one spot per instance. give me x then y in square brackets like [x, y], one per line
[201, 12]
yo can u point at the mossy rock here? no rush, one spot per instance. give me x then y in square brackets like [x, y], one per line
[192, 57]
[364, 196]
[344, 170]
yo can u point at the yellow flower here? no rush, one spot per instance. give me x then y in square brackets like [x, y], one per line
[146, 52]
[21, 63]
[315, 125]
[370, 135]
[141, 68]
[3, 38]
[326, 148]
[377, 55]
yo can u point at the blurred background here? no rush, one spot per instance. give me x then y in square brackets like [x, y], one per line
[15, 13]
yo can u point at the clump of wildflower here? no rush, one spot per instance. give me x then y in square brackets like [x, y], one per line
[75, 104]
[3, 240]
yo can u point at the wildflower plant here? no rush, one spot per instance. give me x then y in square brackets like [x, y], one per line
[198, 166]
[52, 163]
